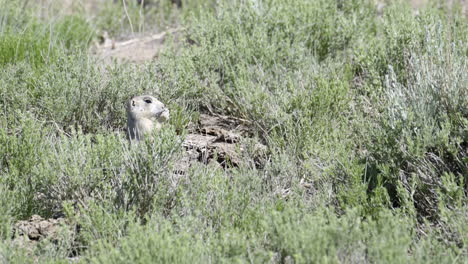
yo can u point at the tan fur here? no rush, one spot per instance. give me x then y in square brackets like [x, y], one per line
[144, 114]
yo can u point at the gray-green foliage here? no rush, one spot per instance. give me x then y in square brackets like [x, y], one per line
[24, 36]
[364, 116]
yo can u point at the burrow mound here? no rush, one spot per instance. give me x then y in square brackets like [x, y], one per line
[220, 140]
[28, 234]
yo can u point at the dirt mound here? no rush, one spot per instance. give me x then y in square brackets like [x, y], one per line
[217, 139]
[29, 233]
[37, 228]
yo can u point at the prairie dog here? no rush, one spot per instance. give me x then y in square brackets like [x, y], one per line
[144, 113]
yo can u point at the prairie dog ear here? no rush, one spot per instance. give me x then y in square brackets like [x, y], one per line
[131, 102]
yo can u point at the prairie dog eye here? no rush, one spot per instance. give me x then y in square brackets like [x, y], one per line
[148, 101]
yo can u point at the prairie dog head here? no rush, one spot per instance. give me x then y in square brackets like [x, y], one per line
[144, 113]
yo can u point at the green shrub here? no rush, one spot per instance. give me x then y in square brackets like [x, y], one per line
[419, 132]
[157, 242]
[21, 150]
[23, 36]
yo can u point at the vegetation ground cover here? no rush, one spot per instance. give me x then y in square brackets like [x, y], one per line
[363, 112]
